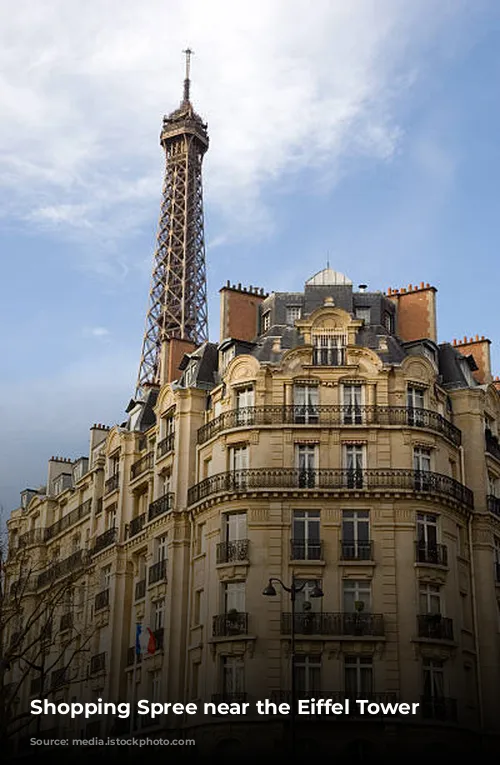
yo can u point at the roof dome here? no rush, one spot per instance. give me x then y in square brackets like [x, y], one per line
[327, 277]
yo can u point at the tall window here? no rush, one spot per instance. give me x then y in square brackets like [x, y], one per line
[354, 462]
[266, 321]
[422, 466]
[238, 461]
[234, 597]
[235, 527]
[244, 405]
[105, 577]
[427, 538]
[158, 614]
[111, 517]
[307, 675]
[161, 548]
[305, 403]
[430, 599]
[293, 312]
[357, 596]
[358, 676]
[433, 678]
[306, 543]
[415, 404]
[305, 460]
[155, 685]
[356, 543]
[352, 413]
[329, 348]
[493, 485]
[167, 425]
[233, 675]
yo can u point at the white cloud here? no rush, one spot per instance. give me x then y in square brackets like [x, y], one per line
[96, 332]
[284, 84]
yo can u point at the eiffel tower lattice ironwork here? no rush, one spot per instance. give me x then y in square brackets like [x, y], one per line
[178, 293]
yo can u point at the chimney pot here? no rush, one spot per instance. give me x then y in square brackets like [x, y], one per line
[422, 285]
[410, 287]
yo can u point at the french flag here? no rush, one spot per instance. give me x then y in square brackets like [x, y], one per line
[145, 641]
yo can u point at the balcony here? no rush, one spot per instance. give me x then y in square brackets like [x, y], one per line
[493, 504]
[101, 600]
[136, 525]
[140, 589]
[434, 627]
[432, 554]
[158, 572]
[30, 538]
[66, 621]
[165, 445]
[142, 465]
[356, 551]
[161, 506]
[492, 444]
[80, 512]
[112, 483]
[301, 549]
[98, 663]
[104, 540]
[330, 416]
[230, 624]
[334, 624]
[69, 565]
[392, 480]
[438, 708]
[233, 552]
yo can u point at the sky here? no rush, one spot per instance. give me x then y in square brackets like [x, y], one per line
[363, 133]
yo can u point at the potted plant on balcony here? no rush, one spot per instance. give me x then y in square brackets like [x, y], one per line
[232, 621]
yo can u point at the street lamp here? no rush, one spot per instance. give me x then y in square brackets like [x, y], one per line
[293, 589]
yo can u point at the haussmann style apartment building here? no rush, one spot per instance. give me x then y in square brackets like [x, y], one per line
[326, 437]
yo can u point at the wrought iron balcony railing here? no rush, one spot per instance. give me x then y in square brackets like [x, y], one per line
[30, 538]
[338, 624]
[435, 627]
[140, 589]
[142, 465]
[492, 444]
[69, 565]
[165, 445]
[230, 624]
[101, 600]
[356, 550]
[331, 416]
[82, 511]
[112, 483]
[438, 708]
[302, 549]
[493, 504]
[387, 480]
[104, 540]
[434, 554]
[161, 506]
[233, 552]
[136, 525]
[66, 621]
[158, 572]
[98, 663]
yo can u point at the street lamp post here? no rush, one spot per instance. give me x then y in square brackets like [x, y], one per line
[293, 589]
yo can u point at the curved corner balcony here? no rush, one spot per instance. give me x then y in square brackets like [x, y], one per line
[391, 480]
[330, 416]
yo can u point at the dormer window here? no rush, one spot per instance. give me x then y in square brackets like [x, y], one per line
[266, 321]
[190, 374]
[293, 312]
[226, 356]
[389, 322]
[329, 348]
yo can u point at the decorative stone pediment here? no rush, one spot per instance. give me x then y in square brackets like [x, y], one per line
[241, 369]
[166, 400]
[419, 369]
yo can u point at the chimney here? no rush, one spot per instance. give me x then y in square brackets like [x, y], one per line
[415, 312]
[362, 287]
[239, 312]
[173, 350]
[496, 383]
[479, 348]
